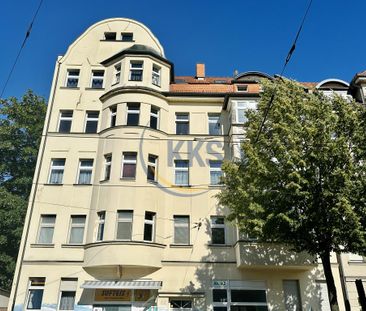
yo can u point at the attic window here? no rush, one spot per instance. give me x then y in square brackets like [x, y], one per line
[220, 81]
[127, 36]
[242, 88]
[110, 36]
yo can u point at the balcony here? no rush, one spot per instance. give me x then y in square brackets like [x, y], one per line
[269, 255]
[123, 253]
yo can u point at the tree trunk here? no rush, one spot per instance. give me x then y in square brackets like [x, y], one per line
[332, 291]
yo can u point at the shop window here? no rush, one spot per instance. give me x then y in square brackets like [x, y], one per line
[180, 304]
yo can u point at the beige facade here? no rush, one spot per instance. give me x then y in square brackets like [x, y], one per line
[123, 212]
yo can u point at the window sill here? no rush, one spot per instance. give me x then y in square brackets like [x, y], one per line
[103, 40]
[53, 184]
[357, 262]
[181, 186]
[181, 246]
[39, 245]
[95, 88]
[156, 85]
[82, 184]
[219, 245]
[128, 178]
[154, 182]
[134, 80]
[216, 186]
[72, 245]
[104, 180]
[69, 88]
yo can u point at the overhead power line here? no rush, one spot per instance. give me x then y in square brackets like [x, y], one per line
[27, 34]
[287, 60]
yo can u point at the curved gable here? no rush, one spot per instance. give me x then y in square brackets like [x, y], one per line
[252, 76]
[332, 84]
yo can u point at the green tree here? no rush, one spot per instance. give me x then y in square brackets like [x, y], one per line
[21, 123]
[303, 183]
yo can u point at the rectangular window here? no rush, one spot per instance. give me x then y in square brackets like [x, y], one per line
[291, 292]
[129, 165]
[136, 70]
[72, 79]
[182, 123]
[91, 123]
[107, 166]
[117, 73]
[77, 228]
[110, 36]
[127, 36]
[113, 115]
[133, 114]
[149, 226]
[97, 79]
[67, 293]
[46, 229]
[181, 172]
[241, 109]
[57, 171]
[214, 126]
[218, 229]
[124, 225]
[215, 172]
[242, 88]
[85, 171]
[181, 230]
[35, 293]
[154, 117]
[156, 75]
[152, 163]
[64, 125]
[101, 222]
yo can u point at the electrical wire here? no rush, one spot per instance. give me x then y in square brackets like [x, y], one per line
[287, 60]
[27, 34]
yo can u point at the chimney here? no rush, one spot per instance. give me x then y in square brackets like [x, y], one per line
[200, 71]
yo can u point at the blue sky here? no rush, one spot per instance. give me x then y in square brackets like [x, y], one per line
[225, 35]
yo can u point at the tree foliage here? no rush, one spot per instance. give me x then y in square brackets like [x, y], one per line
[21, 123]
[303, 183]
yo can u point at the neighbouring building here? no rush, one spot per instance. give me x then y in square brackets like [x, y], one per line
[123, 216]
[4, 299]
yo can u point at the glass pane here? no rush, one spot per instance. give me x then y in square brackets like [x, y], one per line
[125, 215]
[129, 170]
[241, 116]
[72, 82]
[182, 128]
[67, 301]
[136, 75]
[35, 299]
[100, 232]
[50, 219]
[127, 37]
[215, 177]
[151, 172]
[148, 232]
[219, 295]
[46, 235]
[219, 309]
[133, 119]
[56, 176]
[78, 220]
[243, 295]
[65, 126]
[86, 163]
[214, 129]
[248, 308]
[181, 163]
[218, 236]
[215, 164]
[149, 216]
[182, 116]
[97, 83]
[218, 220]
[91, 126]
[85, 177]
[77, 235]
[181, 177]
[153, 122]
[124, 230]
[181, 235]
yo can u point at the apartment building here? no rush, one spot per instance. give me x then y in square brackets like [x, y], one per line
[123, 215]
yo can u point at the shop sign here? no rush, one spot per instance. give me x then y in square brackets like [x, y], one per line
[113, 295]
[219, 283]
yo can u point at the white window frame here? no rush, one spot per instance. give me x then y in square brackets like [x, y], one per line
[46, 225]
[85, 168]
[215, 169]
[56, 167]
[156, 74]
[61, 118]
[150, 222]
[210, 121]
[100, 222]
[238, 86]
[155, 115]
[181, 169]
[117, 73]
[181, 121]
[182, 225]
[112, 114]
[76, 226]
[93, 77]
[132, 68]
[107, 164]
[133, 111]
[34, 287]
[91, 119]
[124, 220]
[129, 161]
[218, 226]
[69, 75]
